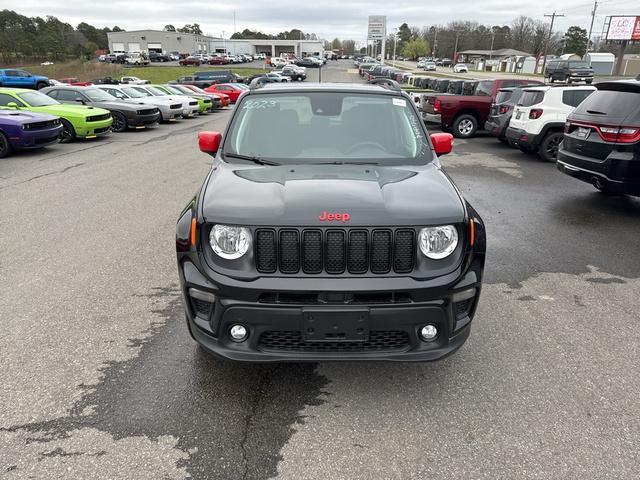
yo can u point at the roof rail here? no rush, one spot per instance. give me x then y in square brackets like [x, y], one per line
[386, 83]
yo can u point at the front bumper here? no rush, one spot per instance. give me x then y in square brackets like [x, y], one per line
[36, 138]
[94, 129]
[141, 121]
[275, 317]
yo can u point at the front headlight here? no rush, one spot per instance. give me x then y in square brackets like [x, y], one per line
[230, 242]
[438, 242]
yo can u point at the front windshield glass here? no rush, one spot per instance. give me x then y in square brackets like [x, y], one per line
[579, 65]
[177, 90]
[37, 99]
[135, 93]
[97, 95]
[156, 91]
[294, 128]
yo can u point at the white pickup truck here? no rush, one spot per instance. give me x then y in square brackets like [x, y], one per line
[134, 81]
[137, 58]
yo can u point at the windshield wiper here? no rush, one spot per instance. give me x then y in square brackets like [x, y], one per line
[250, 158]
[348, 163]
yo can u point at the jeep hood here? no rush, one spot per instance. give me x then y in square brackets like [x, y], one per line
[296, 195]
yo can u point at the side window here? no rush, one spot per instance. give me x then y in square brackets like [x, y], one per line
[114, 92]
[53, 94]
[68, 96]
[7, 99]
[575, 97]
[21, 73]
[11, 73]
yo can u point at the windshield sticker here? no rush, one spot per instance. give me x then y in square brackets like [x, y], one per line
[259, 104]
[399, 102]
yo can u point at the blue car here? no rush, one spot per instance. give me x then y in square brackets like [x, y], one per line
[20, 129]
[16, 78]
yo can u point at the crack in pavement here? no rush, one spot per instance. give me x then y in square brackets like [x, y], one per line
[56, 172]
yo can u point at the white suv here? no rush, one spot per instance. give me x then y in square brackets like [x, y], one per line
[537, 123]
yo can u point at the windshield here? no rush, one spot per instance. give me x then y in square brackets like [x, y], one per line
[484, 88]
[97, 95]
[579, 65]
[156, 91]
[135, 93]
[177, 90]
[37, 99]
[294, 128]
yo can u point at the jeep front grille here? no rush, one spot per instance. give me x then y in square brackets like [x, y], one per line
[335, 251]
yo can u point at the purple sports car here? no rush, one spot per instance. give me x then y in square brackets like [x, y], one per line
[20, 129]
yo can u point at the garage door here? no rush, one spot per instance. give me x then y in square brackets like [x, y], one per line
[118, 47]
[134, 47]
[154, 47]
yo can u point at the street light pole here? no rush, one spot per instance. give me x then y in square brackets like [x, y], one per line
[395, 41]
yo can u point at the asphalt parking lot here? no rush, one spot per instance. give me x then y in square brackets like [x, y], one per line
[101, 379]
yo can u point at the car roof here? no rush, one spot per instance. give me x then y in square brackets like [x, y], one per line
[629, 85]
[327, 87]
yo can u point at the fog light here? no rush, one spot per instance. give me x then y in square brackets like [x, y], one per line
[428, 333]
[238, 333]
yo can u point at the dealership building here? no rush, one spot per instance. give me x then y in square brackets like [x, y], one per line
[188, 43]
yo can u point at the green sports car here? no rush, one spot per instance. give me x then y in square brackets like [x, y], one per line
[78, 121]
[205, 105]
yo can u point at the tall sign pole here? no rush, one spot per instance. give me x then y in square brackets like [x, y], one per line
[377, 30]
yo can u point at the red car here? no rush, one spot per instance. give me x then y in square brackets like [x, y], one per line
[230, 89]
[224, 99]
[218, 61]
[190, 61]
[75, 82]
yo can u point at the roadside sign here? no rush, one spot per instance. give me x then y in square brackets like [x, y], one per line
[377, 29]
[624, 28]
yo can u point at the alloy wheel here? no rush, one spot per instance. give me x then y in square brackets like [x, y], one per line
[465, 127]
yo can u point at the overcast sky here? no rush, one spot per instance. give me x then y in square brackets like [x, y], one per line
[326, 18]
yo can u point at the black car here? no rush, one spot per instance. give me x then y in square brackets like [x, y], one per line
[105, 81]
[361, 248]
[159, 57]
[125, 115]
[601, 143]
[568, 71]
[502, 109]
[307, 62]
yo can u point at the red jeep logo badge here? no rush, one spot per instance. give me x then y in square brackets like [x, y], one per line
[334, 217]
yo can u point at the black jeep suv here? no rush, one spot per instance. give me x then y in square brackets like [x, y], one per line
[601, 142]
[296, 248]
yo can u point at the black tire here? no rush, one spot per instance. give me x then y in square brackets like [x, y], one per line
[68, 133]
[550, 79]
[549, 147]
[5, 146]
[589, 82]
[299, 78]
[41, 85]
[465, 126]
[120, 123]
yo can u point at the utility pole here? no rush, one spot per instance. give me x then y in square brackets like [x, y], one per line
[455, 49]
[435, 44]
[493, 37]
[553, 19]
[593, 16]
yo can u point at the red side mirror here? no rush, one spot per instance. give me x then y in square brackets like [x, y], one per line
[442, 143]
[209, 142]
